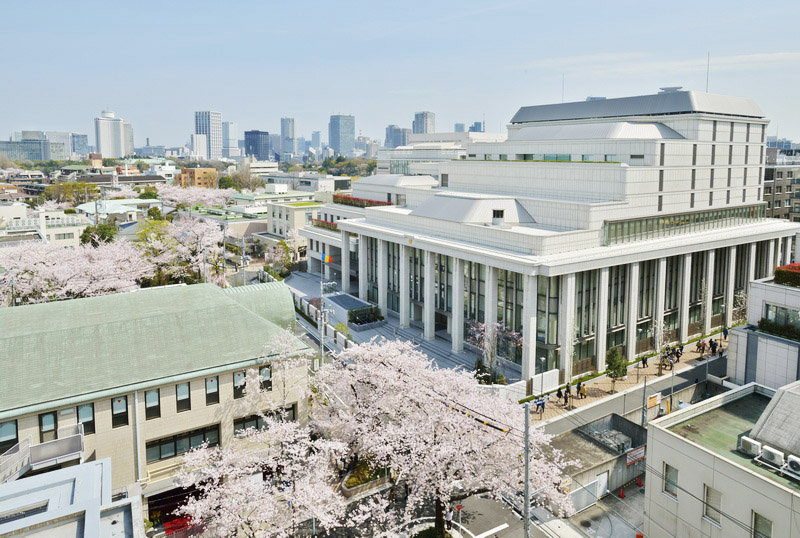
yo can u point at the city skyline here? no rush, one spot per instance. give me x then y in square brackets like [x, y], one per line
[612, 58]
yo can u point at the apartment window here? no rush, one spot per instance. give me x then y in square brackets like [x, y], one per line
[637, 157]
[47, 427]
[661, 159]
[8, 435]
[670, 480]
[266, 377]
[660, 181]
[732, 124]
[389, 197]
[660, 203]
[714, 131]
[769, 205]
[759, 194]
[744, 195]
[444, 180]
[710, 198]
[762, 527]
[745, 176]
[257, 422]
[694, 177]
[497, 213]
[730, 154]
[728, 197]
[761, 155]
[212, 390]
[778, 189]
[503, 157]
[694, 154]
[86, 417]
[691, 200]
[779, 175]
[789, 175]
[119, 411]
[238, 384]
[169, 447]
[183, 397]
[729, 177]
[748, 133]
[713, 505]
[152, 404]
[65, 236]
[713, 155]
[712, 179]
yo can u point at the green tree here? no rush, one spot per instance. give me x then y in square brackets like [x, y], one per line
[226, 182]
[109, 162]
[155, 214]
[72, 192]
[148, 194]
[616, 367]
[102, 233]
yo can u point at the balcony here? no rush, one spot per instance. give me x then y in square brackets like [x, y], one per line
[24, 457]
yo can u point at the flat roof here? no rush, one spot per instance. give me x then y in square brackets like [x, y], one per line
[80, 347]
[719, 430]
[581, 450]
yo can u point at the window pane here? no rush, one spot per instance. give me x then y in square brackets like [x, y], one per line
[197, 440]
[182, 444]
[670, 480]
[167, 449]
[153, 453]
[119, 405]
[212, 436]
[48, 421]
[151, 398]
[212, 385]
[266, 373]
[238, 379]
[713, 504]
[183, 391]
[85, 412]
[762, 527]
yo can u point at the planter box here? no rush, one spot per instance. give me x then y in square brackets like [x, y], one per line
[366, 326]
[349, 492]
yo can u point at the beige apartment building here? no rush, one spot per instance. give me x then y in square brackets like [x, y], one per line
[140, 378]
[197, 177]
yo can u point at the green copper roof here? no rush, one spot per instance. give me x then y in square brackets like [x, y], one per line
[66, 349]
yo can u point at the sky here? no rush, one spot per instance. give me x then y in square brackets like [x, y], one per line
[155, 63]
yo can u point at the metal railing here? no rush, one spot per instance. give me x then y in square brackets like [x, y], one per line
[68, 446]
[14, 460]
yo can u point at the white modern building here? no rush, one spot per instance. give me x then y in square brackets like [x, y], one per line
[209, 123]
[592, 225]
[430, 148]
[424, 122]
[199, 143]
[726, 467]
[766, 349]
[230, 139]
[113, 135]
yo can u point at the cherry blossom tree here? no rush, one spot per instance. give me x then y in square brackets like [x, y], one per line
[38, 272]
[188, 196]
[52, 205]
[435, 429]
[124, 192]
[488, 337]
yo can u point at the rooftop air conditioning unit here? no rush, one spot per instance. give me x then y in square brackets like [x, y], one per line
[751, 447]
[770, 455]
[794, 464]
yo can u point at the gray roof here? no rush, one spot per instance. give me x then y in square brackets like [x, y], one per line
[398, 180]
[471, 208]
[681, 102]
[779, 424]
[596, 130]
[67, 349]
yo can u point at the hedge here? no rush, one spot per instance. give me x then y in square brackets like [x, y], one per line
[785, 331]
[788, 275]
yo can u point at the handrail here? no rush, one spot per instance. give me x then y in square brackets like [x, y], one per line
[15, 459]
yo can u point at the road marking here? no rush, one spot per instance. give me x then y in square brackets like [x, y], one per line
[492, 531]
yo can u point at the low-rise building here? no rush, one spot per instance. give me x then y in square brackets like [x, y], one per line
[197, 177]
[140, 378]
[74, 501]
[119, 211]
[50, 226]
[728, 466]
[310, 181]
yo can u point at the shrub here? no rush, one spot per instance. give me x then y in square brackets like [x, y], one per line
[364, 472]
[788, 275]
[785, 331]
[367, 314]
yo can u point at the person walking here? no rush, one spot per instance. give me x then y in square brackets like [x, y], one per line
[725, 333]
[578, 389]
[644, 361]
[583, 391]
[448, 518]
[713, 347]
[559, 395]
[567, 394]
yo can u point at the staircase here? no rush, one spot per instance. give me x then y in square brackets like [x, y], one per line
[24, 457]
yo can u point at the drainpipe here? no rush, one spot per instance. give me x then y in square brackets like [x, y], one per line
[137, 436]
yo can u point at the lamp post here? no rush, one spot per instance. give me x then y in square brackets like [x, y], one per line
[542, 360]
[672, 390]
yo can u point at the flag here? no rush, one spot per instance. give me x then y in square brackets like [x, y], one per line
[326, 258]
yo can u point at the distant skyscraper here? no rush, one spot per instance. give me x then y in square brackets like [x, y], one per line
[230, 139]
[424, 122]
[60, 145]
[288, 136]
[316, 139]
[342, 134]
[476, 127]
[459, 128]
[396, 136]
[210, 124]
[257, 144]
[200, 146]
[114, 136]
[80, 144]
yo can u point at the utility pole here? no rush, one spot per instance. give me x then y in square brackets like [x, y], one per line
[644, 401]
[672, 390]
[526, 509]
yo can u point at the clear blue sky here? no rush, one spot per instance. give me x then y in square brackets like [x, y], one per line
[155, 63]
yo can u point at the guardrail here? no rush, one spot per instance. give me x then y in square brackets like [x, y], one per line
[14, 460]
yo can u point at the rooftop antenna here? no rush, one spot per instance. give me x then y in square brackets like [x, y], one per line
[562, 87]
[708, 68]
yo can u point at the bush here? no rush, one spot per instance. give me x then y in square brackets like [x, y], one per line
[785, 331]
[342, 328]
[70, 211]
[363, 473]
[788, 275]
[362, 316]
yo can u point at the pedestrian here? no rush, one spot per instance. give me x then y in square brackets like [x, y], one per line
[448, 518]
[544, 401]
[567, 394]
[698, 347]
[578, 389]
[644, 361]
[725, 333]
[559, 394]
[583, 391]
[713, 347]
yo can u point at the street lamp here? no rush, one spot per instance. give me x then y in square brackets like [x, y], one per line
[672, 390]
[543, 360]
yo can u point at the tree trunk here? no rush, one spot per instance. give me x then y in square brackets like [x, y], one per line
[439, 525]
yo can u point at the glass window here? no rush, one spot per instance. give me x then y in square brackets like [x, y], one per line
[762, 527]
[713, 505]
[47, 427]
[238, 384]
[86, 417]
[183, 397]
[266, 377]
[152, 404]
[670, 480]
[8, 435]
[119, 411]
[212, 390]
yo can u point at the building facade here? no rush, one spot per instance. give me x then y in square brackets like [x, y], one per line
[209, 123]
[113, 136]
[598, 224]
[424, 122]
[778, 189]
[396, 136]
[288, 137]
[197, 177]
[230, 139]
[257, 144]
[342, 134]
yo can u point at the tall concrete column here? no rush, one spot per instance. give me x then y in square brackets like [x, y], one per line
[686, 279]
[383, 276]
[632, 311]
[428, 307]
[457, 315]
[797, 248]
[709, 298]
[530, 290]
[661, 296]
[601, 330]
[405, 287]
[751, 264]
[566, 323]
[345, 261]
[730, 282]
[326, 268]
[787, 250]
[363, 283]
[490, 296]
[771, 257]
